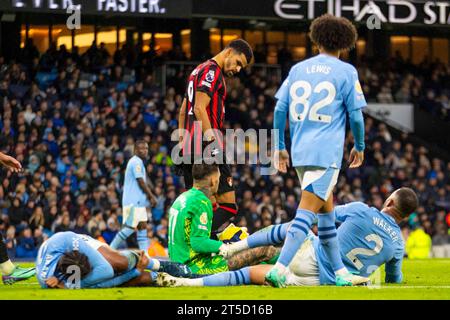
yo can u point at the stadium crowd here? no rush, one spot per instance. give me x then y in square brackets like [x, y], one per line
[72, 120]
[399, 81]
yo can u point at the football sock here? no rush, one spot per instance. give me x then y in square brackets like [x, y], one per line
[142, 240]
[153, 264]
[328, 240]
[295, 236]
[271, 235]
[230, 278]
[121, 236]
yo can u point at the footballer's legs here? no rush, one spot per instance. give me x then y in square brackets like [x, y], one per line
[10, 272]
[271, 235]
[296, 234]
[328, 237]
[6, 266]
[244, 276]
[329, 242]
[121, 236]
[254, 256]
[225, 208]
[146, 279]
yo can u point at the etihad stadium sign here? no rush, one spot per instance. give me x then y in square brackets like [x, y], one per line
[387, 11]
[418, 12]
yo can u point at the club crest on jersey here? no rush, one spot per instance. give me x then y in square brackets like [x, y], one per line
[138, 169]
[358, 87]
[204, 218]
[210, 76]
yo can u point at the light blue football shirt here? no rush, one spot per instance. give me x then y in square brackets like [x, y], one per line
[54, 248]
[317, 94]
[368, 238]
[132, 192]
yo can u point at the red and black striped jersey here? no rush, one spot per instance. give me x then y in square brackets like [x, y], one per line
[208, 78]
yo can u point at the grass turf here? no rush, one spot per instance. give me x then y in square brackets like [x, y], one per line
[423, 279]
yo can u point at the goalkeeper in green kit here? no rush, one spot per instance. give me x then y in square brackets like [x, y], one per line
[190, 222]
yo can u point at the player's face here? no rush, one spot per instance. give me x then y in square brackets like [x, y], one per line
[234, 63]
[142, 150]
[215, 178]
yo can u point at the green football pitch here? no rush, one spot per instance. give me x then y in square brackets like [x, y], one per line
[423, 279]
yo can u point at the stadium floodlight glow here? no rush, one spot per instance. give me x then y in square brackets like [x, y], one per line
[8, 17]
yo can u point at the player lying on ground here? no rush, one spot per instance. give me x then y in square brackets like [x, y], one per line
[317, 95]
[368, 238]
[10, 272]
[190, 223]
[99, 266]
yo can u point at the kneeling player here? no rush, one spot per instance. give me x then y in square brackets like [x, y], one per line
[368, 238]
[69, 260]
[190, 223]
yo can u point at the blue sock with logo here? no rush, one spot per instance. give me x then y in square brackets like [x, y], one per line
[230, 278]
[142, 240]
[271, 235]
[120, 237]
[296, 235]
[328, 239]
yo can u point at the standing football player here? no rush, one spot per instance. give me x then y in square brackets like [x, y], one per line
[318, 94]
[203, 109]
[135, 199]
[10, 272]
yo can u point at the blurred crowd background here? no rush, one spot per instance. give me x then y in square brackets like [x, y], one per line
[72, 120]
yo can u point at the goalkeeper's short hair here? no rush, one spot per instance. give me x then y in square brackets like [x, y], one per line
[203, 170]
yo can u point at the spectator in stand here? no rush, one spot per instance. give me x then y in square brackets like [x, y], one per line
[418, 245]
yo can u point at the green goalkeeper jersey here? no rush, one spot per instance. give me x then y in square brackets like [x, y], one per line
[190, 221]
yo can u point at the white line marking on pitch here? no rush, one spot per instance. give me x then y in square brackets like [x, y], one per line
[409, 287]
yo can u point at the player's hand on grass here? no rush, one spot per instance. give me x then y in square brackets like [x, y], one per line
[52, 282]
[10, 163]
[281, 160]
[356, 158]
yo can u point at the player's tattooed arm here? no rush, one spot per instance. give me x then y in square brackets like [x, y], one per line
[251, 257]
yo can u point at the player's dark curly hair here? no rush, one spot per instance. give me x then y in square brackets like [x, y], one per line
[70, 259]
[333, 33]
[242, 46]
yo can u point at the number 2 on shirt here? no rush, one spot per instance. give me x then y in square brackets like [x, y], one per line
[304, 100]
